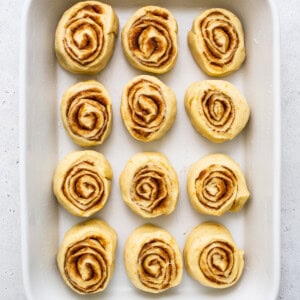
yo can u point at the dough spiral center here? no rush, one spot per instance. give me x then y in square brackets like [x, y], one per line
[84, 37]
[86, 265]
[83, 186]
[150, 41]
[157, 265]
[147, 107]
[218, 262]
[88, 114]
[220, 37]
[216, 186]
[218, 110]
[149, 188]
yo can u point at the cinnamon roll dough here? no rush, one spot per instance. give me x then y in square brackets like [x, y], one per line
[152, 259]
[216, 41]
[86, 113]
[217, 110]
[216, 184]
[82, 182]
[211, 256]
[86, 256]
[149, 40]
[85, 37]
[149, 185]
[148, 108]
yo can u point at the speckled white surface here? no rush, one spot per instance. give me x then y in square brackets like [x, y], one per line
[10, 250]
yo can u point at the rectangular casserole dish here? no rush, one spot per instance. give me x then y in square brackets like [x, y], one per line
[256, 229]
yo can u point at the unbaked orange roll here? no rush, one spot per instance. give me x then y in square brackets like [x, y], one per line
[149, 39]
[217, 109]
[82, 182]
[86, 256]
[216, 184]
[152, 259]
[86, 112]
[217, 43]
[148, 108]
[85, 37]
[149, 185]
[211, 256]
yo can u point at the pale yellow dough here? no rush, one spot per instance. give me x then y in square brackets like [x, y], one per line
[211, 256]
[216, 184]
[217, 110]
[86, 112]
[86, 256]
[149, 40]
[85, 37]
[216, 41]
[82, 182]
[152, 259]
[148, 108]
[149, 185]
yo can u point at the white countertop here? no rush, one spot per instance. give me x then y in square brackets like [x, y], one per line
[10, 248]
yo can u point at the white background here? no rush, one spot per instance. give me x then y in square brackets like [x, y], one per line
[10, 248]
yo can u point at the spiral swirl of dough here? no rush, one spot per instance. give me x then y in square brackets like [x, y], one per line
[220, 38]
[86, 256]
[86, 266]
[216, 185]
[82, 182]
[156, 255]
[148, 108]
[217, 42]
[85, 37]
[149, 39]
[86, 112]
[217, 109]
[83, 186]
[152, 259]
[217, 262]
[211, 256]
[149, 185]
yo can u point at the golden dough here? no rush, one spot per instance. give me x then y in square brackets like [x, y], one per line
[149, 40]
[152, 259]
[216, 41]
[216, 184]
[211, 256]
[86, 256]
[86, 113]
[217, 110]
[82, 182]
[148, 108]
[85, 37]
[149, 185]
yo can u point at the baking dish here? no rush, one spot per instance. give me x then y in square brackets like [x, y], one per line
[44, 142]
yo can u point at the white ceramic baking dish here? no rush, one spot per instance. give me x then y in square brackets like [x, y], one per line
[44, 142]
